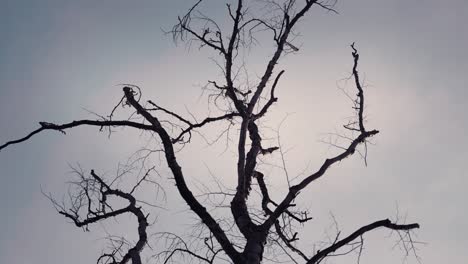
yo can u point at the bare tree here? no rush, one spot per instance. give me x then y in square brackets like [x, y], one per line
[251, 228]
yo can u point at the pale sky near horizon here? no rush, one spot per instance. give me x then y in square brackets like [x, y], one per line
[58, 58]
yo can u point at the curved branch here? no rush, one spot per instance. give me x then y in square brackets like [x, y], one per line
[272, 99]
[188, 252]
[95, 185]
[184, 27]
[202, 123]
[338, 244]
[181, 185]
[62, 127]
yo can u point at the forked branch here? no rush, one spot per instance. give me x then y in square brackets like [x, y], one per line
[179, 178]
[90, 198]
[361, 138]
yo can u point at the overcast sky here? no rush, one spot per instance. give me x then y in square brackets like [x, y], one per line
[58, 58]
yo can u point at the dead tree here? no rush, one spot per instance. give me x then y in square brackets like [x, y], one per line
[240, 105]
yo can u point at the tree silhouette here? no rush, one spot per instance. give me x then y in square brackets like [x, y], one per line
[242, 236]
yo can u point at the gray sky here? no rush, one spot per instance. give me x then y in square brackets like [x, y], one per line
[58, 57]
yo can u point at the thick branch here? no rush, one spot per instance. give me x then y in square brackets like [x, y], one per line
[246, 164]
[246, 172]
[184, 191]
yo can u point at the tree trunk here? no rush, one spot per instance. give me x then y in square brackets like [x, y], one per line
[253, 251]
